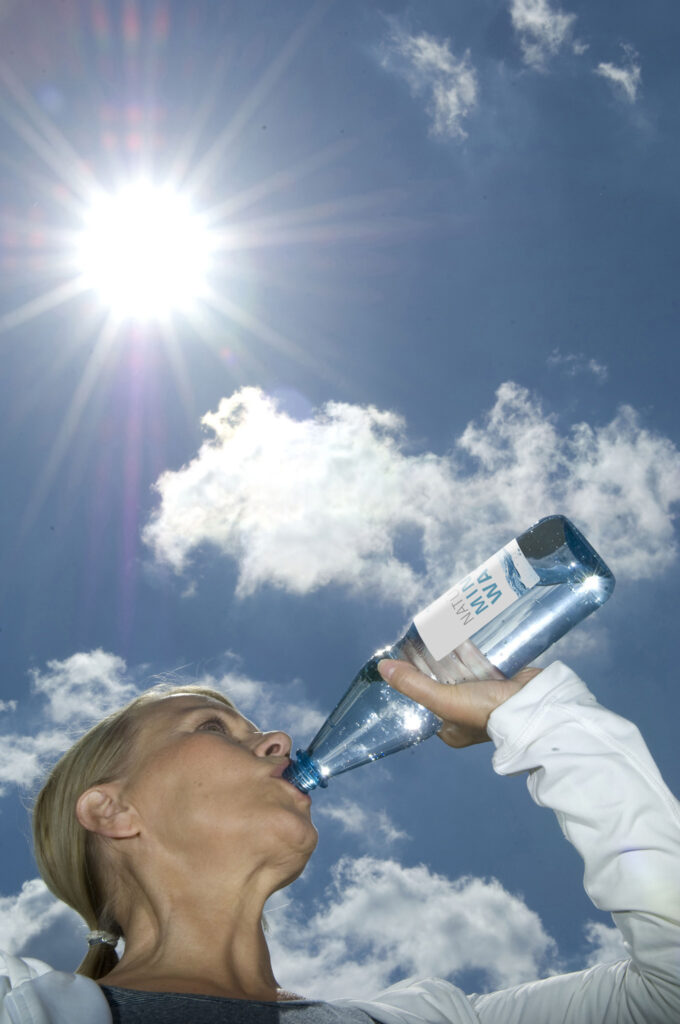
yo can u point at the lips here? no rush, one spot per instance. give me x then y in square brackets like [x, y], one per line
[277, 773]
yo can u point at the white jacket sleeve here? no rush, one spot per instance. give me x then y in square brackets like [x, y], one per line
[32, 992]
[595, 772]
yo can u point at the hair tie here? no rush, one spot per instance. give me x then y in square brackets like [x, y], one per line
[99, 938]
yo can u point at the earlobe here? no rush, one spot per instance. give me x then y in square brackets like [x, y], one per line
[100, 810]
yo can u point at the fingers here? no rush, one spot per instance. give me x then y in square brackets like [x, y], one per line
[412, 683]
[466, 704]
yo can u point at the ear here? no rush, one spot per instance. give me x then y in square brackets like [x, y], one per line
[101, 810]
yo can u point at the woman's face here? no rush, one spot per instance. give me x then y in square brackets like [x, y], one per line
[207, 792]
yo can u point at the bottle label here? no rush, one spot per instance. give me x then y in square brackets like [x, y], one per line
[475, 600]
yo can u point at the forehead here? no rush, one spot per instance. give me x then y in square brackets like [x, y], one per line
[173, 706]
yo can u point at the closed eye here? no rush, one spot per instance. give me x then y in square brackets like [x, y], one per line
[210, 723]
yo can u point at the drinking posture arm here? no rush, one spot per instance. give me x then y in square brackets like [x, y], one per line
[595, 772]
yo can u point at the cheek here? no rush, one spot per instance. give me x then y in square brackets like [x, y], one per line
[203, 800]
[199, 786]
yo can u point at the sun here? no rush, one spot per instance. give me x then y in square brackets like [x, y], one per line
[145, 251]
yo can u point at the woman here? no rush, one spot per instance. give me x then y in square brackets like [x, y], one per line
[169, 824]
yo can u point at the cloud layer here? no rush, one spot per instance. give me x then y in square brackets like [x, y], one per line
[369, 931]
[449, 83]
[299, 504]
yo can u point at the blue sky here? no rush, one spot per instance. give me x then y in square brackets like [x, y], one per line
[444, 304]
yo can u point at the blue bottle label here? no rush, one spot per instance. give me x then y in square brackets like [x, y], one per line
[475, 600]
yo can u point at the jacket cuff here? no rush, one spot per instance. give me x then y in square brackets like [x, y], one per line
[514, 724]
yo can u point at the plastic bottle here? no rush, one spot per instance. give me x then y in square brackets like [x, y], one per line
[492, 623]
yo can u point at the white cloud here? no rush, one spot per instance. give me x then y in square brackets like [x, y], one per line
[574, 363]
[357, 819]
[73, 694]
[8, 705]
[542, 30]
[295, 502]
[369, 932]
[625, 79]
[23, 758]
[607, 945]
[301, 504]
[431, 70]
[84, 687]
[29, 913]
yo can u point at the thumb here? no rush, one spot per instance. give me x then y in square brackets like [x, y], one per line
[408, 680]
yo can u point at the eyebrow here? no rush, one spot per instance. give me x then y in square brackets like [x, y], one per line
[214, 707]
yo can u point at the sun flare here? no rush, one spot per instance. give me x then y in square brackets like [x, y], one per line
[144, 251]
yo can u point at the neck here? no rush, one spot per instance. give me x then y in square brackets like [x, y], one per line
[198, 945]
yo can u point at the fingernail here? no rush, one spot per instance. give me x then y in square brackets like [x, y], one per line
[386, 668]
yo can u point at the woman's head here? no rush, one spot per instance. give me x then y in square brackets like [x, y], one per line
[162, 782]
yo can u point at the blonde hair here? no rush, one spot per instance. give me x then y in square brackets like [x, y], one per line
[65, 851]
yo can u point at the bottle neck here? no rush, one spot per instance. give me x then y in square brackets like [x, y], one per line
[304, 774]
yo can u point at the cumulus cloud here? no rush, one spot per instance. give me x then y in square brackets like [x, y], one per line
[294, 502]
[66, 698]
[359, 820]
[369, 931]
[542, 30]
[574, 363]
[625, 79]
[429, 67]
[606, 944]
[31, 912]
[303, 503]
[23, 757]
[98, 676]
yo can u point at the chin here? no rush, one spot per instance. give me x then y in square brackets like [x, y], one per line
[296, 872]
[308, 840]
[299, 849]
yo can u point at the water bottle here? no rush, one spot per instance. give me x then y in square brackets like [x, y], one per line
[492, 623]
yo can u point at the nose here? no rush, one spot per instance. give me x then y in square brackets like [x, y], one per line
[273, 743]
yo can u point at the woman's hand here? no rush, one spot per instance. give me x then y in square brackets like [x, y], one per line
[464, 708]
